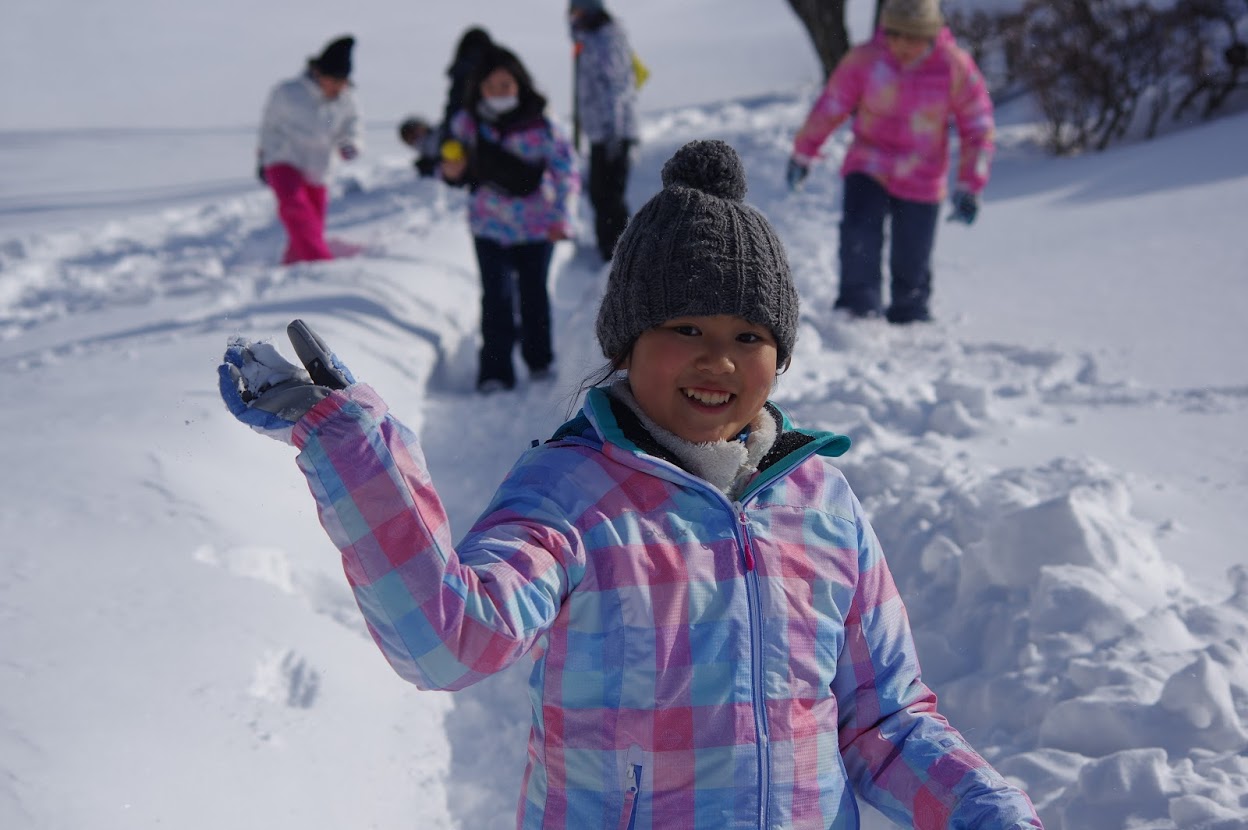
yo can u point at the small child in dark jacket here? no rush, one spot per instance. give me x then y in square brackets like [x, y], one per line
[416, 133]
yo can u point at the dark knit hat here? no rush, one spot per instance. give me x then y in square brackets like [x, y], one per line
[918, 18]
[697, 249]
[335, 61]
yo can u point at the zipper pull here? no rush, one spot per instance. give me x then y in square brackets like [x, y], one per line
[745, 538]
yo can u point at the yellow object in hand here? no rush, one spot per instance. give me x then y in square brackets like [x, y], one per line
[452, 150]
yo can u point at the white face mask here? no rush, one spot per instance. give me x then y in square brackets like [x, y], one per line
[500, 104]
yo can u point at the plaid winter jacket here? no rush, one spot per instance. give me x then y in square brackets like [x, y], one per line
[902, 117]
[699, 663]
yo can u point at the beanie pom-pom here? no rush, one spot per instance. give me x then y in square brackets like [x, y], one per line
[712, 167]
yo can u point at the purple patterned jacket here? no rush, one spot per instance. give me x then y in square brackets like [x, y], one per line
[699, 662]
[512, 220]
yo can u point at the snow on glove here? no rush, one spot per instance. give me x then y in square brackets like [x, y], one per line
[796, 173]
[965, 207]
[269, 393]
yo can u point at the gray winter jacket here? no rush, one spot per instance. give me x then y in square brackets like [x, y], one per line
[606, 87]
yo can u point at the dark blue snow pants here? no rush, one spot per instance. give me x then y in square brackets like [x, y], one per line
[511, 273]
[912, 232]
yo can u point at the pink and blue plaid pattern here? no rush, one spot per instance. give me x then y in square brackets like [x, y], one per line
[699, 664]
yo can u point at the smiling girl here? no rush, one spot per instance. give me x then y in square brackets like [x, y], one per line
[717, 639]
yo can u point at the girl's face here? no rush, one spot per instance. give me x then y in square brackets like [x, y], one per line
[703, 378]
[331, 88]
[499, 84]
[906, 48]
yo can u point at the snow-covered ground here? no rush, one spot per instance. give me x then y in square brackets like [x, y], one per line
[1056, 468]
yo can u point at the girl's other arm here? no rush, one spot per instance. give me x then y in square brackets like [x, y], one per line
[900, 752]
[973, 117]
[833, 107]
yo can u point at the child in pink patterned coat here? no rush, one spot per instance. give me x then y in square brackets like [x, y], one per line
[903, 89]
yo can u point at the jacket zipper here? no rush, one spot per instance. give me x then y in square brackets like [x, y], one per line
[754, 601]
[632, 786]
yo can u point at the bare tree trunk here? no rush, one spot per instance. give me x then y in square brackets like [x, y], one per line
[825, 23]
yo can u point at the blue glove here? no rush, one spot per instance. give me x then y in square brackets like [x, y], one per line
[796, 174]
[965, 207]
[269, 393]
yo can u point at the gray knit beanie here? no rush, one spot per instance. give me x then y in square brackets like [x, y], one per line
[919, 18]
[697, 249]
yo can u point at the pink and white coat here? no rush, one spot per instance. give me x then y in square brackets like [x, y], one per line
[699, 662]
[901, 119]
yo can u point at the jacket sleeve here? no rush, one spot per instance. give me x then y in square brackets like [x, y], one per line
[833, 107]
[444, 617]
[973, 116]
[564, 174]
[900, 752]
[350, 132]
[271, 123]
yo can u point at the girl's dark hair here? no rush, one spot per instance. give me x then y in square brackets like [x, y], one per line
[599, 377]
[472, 44]
[532, 102]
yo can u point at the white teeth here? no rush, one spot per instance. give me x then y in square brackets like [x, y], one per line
[711, 398]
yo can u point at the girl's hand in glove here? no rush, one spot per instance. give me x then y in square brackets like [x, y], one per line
[965, 207]
[269, 393]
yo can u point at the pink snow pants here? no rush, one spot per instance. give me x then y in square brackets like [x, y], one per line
[301, 206]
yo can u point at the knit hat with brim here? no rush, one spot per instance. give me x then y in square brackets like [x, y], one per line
[697, 249]
[919, 18]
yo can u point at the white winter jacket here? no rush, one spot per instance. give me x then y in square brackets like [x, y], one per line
[302, 128]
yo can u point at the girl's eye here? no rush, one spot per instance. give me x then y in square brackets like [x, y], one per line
[750, 337]
[688, 331]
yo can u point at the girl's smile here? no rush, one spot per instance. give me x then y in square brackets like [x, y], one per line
[703, 378]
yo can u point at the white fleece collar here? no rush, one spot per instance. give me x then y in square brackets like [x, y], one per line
[726, 465]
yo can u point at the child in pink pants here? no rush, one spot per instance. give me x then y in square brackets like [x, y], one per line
[306, 120]
[301, 206]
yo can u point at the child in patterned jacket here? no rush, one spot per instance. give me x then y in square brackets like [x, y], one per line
[717, 639]
[902, 89]
[522, 174]
[605, 84]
